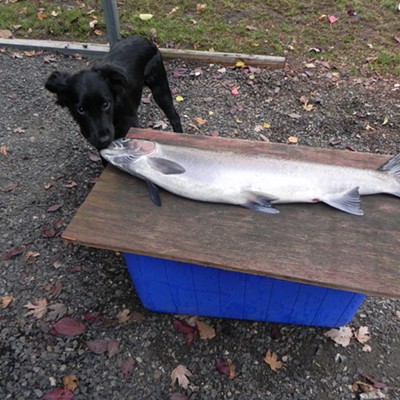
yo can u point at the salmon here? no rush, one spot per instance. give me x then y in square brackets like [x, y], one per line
[257, 182]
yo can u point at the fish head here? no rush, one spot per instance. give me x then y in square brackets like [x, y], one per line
[123, 152]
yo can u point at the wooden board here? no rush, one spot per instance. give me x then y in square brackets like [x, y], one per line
[99, 50]
[308, 243]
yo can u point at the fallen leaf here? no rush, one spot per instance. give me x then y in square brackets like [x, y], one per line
[29, 53]
[70, 382]
[11, 186]
[240, 64]
[59, 394]
[362, 387]
[13, 252]
[201, 7]
[5, 34]
[68, 326]
[183, 326]
[54, 208]
[160, 124]
[98, 32]
[124, 316]
[98, 346]
[38, 308]
[56, 290]
[225, 367]
[271, 359]
[5, 301]
[93, 23]
[362, 334]
[180, 374]
[127, 367]
[41, 15]
[205, 331]
[385, 121]
[377, 384]
[31, 256]
[70, 184]
[145, 17]
[179, 99]
[332, 19]
[200, 121]
[4, 150]
[94, 157]
[178, 396]
[58, 310]
[340, 336]
[367, 348]
[112, 347]
[293, 139]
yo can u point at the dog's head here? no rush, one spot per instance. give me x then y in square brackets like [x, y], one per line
[90, 96]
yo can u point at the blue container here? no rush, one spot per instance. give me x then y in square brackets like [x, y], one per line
[180, 288]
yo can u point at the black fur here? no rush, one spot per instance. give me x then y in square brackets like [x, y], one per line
[104, 100]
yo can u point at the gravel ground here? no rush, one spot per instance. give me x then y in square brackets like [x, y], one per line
[47, 169]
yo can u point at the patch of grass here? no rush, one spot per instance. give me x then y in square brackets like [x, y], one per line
[364, 30]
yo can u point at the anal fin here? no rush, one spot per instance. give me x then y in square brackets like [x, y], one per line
[346, 201]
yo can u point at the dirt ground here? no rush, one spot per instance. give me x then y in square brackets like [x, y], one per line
[46, 171]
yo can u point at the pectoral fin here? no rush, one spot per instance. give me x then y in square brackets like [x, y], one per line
[154, 193]
[164, 166]
[346, 201]
[260, 203]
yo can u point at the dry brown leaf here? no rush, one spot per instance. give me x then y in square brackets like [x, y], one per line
[293, 139]
[205, 331]
[5, 34]
[200, 121]
[70, 382]
[41, 15]
[38, 308]
[362, 334]
[180, 374]
[124, 316]
[341, 336]
[201, 7]
[271, 359]
[4, 150]
[5, 301]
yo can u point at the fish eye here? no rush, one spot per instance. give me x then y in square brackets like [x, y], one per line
[80, 110]
[106, 105]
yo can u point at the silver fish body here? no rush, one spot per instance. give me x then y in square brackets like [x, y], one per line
[256, 182]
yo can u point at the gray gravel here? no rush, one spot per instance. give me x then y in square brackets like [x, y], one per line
[47, 157]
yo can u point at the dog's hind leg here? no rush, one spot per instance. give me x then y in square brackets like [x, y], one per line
[156, 79]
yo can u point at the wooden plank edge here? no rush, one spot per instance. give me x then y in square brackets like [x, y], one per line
[71, 240]
[98, 50]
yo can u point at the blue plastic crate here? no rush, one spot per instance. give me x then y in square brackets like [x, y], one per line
[181, 288]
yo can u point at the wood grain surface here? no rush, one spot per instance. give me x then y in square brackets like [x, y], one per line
[307, 243]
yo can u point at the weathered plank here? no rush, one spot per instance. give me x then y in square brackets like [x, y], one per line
[312, 244]
[98, 50]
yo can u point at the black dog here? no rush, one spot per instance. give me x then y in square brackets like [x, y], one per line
[104, 100]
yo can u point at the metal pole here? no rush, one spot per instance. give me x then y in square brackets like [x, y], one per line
[112, 21]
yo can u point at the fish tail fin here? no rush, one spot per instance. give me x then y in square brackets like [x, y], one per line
[392, 166]
[348, 201]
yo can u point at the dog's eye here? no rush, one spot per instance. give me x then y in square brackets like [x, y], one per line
[106, 105]
[80, 110]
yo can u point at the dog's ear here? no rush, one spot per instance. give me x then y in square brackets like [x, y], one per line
[115, 75]
[57, 83]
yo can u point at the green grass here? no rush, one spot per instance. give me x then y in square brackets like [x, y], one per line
[285, 27]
